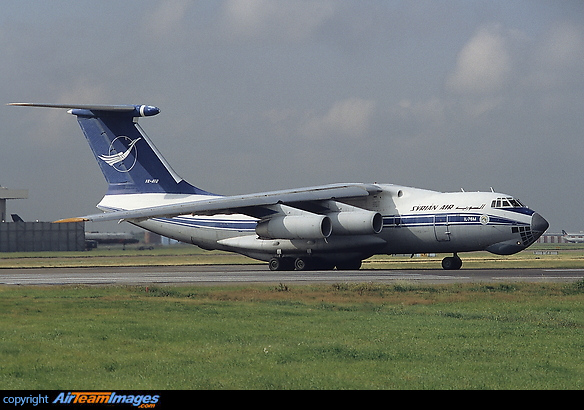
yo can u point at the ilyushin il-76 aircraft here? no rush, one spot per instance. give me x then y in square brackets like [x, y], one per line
[319, 227]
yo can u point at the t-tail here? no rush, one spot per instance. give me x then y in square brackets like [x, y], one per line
[129, 161]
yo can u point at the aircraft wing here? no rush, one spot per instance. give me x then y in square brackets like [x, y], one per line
[244, 204]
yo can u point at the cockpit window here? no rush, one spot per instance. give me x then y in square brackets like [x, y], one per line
[515, 203]
[506, 203]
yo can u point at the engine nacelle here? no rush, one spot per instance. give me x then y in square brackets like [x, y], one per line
[356, 222]
[295, 227]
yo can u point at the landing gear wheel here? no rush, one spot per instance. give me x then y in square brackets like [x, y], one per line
[275, 264]
[300, 264]
[452, 263]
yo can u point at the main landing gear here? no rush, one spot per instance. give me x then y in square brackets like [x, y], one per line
[452, 262]
[300, 264]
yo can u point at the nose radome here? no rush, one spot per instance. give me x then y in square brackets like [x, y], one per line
[538, 223]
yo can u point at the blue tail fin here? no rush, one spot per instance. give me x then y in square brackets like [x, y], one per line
[128, 159]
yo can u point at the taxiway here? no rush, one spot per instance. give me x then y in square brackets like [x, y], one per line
[257, 274]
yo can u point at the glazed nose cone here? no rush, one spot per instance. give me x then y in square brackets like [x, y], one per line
[538, 224]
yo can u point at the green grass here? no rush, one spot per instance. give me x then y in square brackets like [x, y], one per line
[341, 336]
[117, 256]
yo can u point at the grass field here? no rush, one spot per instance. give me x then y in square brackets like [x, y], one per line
[341, 336]
[116, 256]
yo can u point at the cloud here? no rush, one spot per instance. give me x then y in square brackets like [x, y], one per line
[564, 47]
[282, 19]
[484, 64]
[166, 18]
[312, 91]
[432, 111]
[349, 118]
[558, 61]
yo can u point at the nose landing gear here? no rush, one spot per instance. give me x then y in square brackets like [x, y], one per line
[452, 262]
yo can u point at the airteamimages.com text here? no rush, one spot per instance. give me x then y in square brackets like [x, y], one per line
[79, 398]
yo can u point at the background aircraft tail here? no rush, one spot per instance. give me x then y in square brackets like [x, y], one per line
[129, 161]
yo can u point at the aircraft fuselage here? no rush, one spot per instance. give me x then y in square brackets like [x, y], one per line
[414, 221]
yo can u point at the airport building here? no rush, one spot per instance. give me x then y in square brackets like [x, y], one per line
[42, 236]
[20, 236]
[5, 194]
[551, 238]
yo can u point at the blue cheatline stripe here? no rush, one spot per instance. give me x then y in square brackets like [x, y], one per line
[444, 219]
[388, 221]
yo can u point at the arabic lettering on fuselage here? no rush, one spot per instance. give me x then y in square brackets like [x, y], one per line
[445, 207]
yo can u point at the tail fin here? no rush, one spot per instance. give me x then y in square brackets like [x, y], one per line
[129, 161]
[564, 232]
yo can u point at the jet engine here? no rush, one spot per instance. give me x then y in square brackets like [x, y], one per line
[295, 227]
[356, 222]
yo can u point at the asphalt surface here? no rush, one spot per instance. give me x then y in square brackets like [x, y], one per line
[239, 274]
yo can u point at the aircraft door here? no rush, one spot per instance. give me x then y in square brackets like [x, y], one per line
[441, 228]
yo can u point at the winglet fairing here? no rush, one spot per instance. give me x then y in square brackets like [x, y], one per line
[327, 226]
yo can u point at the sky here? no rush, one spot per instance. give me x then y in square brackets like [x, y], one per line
[259, 95]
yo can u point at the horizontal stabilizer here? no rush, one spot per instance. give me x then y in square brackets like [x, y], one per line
[98, 107]
[138, 110]
[129, 161]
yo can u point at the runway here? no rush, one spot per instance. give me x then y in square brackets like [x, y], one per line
[256, 274]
